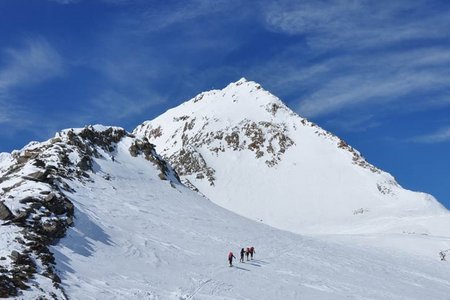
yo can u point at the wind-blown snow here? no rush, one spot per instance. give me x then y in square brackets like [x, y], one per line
[249, 153]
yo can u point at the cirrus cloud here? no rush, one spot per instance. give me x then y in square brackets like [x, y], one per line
[33, 62]
[440, 136]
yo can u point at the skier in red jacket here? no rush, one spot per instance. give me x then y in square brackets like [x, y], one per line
[230, 258]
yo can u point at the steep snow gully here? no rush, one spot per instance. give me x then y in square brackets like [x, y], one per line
[107, 218]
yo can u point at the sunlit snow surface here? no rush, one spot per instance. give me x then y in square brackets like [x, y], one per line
[4, 159]
[319, 184]
[139, 237]
[136, 236]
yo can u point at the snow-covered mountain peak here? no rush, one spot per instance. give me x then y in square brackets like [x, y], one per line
[247, 151]
[237, 101]
[240, 81]
[241, 117]
[95, 213]
[244, 86]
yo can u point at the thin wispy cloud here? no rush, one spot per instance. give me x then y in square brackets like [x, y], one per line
[442, 135]
[164, 14]
[138, 71]
[358, 123]
[372, 88]
[5, 115]
[360, 54]
[361, 24]
[116, 105]
[128, 74]
[114, 2]
[31, 63]
[65, 1]
[348, 81]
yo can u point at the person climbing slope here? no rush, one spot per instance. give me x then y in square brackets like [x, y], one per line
[230, 258]
[247, 252]
[252, 251]
[242, 255]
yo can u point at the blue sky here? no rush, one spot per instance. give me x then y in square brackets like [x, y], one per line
[375, 73]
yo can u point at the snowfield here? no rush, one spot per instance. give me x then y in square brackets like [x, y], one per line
[139, 237]
[120, 224]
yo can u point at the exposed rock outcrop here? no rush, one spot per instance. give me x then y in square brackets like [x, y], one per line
[35, 183]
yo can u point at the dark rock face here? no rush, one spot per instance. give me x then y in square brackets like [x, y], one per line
[46, 212]
[24, 269]
[39, 163]
[357, 158]
[88, 139]
[268, 141]
[5, 213]
[37, 176]
[28, 199]
[142, 146]
[25, 156]
[103, 139]
[15, 255]
[148, 150]
[37, 236]
[7, 286]
[85, 163]
[44, 217]
[54, 229]
[21, 217]
[188, 161]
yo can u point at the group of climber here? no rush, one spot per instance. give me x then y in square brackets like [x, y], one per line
[247, 252]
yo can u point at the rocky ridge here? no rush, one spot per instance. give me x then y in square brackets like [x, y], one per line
[267, 138]
[35, 201]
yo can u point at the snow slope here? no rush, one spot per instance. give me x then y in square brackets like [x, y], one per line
[4, 159]
[246, 151]
[35, 209]
[139, 237]
[138, 233]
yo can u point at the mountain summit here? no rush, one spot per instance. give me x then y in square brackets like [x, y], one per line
[97, 213]
[244, 149]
